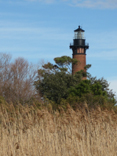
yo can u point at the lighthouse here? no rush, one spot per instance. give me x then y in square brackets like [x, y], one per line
[79, 48]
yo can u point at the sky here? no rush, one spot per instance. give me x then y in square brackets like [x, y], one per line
[43, 29]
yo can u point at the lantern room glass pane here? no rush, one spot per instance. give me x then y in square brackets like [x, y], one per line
[79, 35]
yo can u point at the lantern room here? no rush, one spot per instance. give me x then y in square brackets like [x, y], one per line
[79, 33]
[79, 40]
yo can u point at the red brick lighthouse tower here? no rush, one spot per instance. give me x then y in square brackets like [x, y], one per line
[79, 48]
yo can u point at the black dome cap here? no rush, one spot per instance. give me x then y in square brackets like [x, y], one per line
[79, 29]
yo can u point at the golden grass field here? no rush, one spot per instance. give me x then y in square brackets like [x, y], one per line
[27, 131]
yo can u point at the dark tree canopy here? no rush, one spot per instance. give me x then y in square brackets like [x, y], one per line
[56, 82]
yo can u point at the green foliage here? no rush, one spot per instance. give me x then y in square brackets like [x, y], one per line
[55, 80]
[82, 88]
[48, 66]
[94, 93]
[65, 63]
[87, 66]
[97, 89]
[57, 84]
[85, 87]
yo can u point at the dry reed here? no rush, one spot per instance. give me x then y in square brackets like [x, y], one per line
[26, 131]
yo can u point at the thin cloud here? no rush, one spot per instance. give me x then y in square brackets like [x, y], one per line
[106, 55]
[101, 4]
[22, 1]
[33, 33]
[44, 1]
[103, 45]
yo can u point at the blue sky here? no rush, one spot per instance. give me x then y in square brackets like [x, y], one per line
[43, 29]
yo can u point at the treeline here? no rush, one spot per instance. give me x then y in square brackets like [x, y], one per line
[56, 83]
[52, 85]
[17, 79]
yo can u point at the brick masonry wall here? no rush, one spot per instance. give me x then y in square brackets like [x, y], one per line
[81, 61]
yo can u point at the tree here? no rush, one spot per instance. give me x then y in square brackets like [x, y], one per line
[94, 92]
[16, 79]
[56, 82]
[55, 79]
[5, 61]
[65, 63]
[82, 88]
[22, 76]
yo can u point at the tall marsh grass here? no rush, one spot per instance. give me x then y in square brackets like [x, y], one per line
[27, 131]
